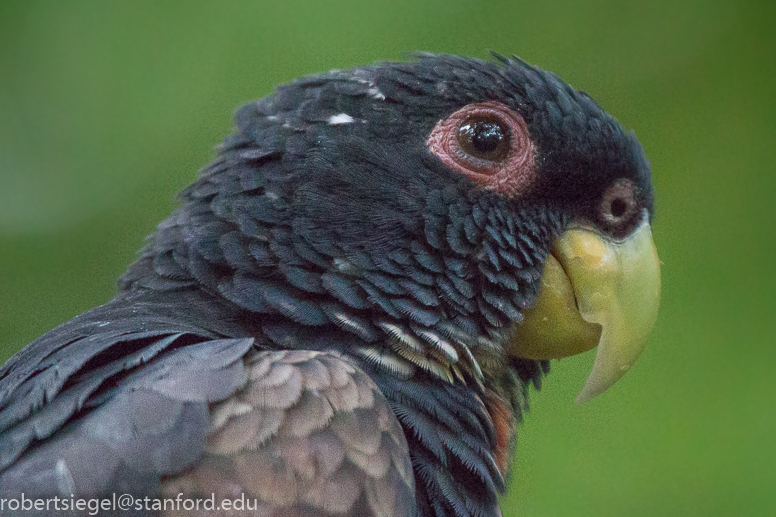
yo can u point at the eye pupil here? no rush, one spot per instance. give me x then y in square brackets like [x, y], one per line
[486, 136]
[485, 139]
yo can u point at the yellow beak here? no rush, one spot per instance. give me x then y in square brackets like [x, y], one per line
[595, 291]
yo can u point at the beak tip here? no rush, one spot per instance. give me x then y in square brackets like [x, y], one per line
[587, 394]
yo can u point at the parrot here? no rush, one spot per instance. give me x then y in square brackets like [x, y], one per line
[346, 312]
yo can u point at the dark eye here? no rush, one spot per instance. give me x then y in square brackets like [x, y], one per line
[484, 139]
[619, 207]
[489, 143]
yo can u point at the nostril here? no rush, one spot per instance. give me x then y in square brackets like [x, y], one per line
[618, 207]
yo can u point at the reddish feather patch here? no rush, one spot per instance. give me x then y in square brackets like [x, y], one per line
[504, 424]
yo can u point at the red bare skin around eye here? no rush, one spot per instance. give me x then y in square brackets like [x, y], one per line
[509, 177]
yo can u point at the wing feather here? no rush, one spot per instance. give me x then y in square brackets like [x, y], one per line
[309, 434]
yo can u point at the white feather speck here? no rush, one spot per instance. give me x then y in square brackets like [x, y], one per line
[376, 94]
[341, 118]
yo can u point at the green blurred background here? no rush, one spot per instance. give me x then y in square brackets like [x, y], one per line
[107, 109]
